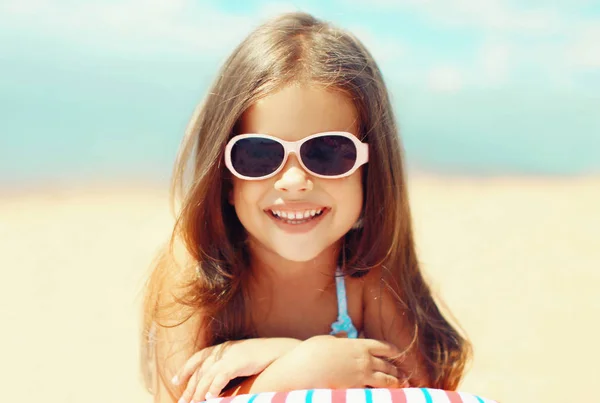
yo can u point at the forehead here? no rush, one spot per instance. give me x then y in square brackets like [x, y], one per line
[298, 111]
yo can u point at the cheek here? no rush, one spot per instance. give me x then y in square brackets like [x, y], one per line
[245, 194]
[348, 193]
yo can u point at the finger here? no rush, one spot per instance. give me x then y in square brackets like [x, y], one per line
[186, 397]
[222, 348]
[218, 384]
[382, 349]
[383, 365]
[205, 382]
[192, 365]
[387, 381]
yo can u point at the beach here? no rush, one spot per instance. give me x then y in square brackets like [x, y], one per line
[517, 261]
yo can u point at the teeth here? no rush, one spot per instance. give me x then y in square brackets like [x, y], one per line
[298, 217]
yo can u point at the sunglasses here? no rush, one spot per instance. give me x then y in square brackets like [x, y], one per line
[328, 155]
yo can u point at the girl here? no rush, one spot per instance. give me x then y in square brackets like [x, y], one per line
[294, 233]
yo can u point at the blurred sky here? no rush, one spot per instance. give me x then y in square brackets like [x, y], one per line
[104, 89]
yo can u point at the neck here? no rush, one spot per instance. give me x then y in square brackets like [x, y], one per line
[280, 289]
[270, 270]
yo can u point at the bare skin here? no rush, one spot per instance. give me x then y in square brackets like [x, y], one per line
[292, 292]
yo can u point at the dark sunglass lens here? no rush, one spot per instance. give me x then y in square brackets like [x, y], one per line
[329, 155]
[255, 157]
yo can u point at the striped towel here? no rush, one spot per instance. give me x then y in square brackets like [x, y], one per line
[407, 395]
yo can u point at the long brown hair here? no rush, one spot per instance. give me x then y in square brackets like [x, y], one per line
[293, 48]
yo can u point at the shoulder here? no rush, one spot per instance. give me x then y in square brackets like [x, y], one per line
[388, 318]
[380, 289]
[174, 329]
[168, 303]
[172, 269]
[176, 287]
[384, 312]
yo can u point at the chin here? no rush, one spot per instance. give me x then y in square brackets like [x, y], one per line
[297, 254]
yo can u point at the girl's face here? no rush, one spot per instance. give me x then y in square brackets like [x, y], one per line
[265, 206]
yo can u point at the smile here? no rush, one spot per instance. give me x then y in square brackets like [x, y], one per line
[296, 217]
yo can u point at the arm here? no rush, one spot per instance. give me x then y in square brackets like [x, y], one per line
[276, 377]
[385, 320]
[211, 370]
[328, 362]
[173, 348]
[166, 342]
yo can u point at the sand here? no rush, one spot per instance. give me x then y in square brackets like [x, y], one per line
[517, 260]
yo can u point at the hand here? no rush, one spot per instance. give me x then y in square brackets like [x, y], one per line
[330, 362]
[212, 368]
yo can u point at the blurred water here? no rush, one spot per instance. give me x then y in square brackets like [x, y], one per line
[69, 114]
[512, 131]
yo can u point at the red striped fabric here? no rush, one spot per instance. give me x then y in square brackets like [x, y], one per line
[341, 396]
[338, 396]
[398, 396]
[454, 397]
[279, 397]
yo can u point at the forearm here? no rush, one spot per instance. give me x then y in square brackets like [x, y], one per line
[327, 362]
[277, 376]
[274, 377]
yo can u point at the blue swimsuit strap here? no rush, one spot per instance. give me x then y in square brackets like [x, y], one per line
[344, 322]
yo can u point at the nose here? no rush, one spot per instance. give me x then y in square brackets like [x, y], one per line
[293, 178]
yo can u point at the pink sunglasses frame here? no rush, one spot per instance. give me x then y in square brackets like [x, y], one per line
[362, 153]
